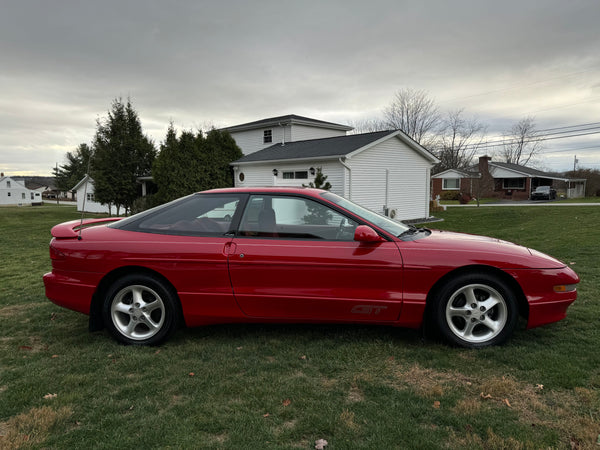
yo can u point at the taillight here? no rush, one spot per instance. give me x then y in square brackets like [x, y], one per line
[55, 254]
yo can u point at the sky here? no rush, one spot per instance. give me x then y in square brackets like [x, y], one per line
[221, 63]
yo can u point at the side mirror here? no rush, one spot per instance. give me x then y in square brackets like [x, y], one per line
[364, 233]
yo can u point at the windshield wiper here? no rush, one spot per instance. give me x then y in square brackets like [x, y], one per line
[414, 230]
[411, 230]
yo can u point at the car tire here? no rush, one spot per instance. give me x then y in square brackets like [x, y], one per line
[140, 309]
[475, 310]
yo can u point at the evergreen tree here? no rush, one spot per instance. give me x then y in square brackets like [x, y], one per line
[316, 213]
[121, 154]
[71, 173]
[320, 181]
[193, 163]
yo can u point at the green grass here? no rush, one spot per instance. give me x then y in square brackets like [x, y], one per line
[271, 386]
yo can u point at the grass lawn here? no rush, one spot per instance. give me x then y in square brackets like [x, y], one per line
[259, 386]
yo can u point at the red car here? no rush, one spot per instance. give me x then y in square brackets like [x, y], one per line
[296, 255]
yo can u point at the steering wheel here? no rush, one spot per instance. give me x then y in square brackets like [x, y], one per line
[340, 229]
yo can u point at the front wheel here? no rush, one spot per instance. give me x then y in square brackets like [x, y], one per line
[140, 310]
[475, 310]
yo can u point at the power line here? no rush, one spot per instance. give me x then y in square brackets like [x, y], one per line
[542, 135]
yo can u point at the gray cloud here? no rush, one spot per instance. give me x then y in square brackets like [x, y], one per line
[229, 62]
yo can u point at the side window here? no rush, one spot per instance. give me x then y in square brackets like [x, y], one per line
[294, 218]
[203, 215]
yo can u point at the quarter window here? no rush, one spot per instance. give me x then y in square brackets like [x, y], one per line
[203, 215]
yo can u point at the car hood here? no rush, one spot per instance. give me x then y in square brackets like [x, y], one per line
[457, 249]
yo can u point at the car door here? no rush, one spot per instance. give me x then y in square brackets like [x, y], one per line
[190, 249]
[296, 258]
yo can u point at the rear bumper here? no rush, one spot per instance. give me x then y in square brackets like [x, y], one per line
[69, 292]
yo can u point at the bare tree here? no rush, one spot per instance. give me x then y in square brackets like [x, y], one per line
[413, 112]
[458, 141]
[367, 125]
[522, 142]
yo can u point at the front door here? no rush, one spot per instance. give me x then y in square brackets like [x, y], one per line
[296, 258]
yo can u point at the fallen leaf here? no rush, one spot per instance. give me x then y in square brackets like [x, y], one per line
[157, 352]
[320, 444]
[266, 415]
[49, 396]
[239, 348]
[303, 357]
[539, 387]
[507, 403]
[391, 358]
[436, 404]
[191, 374]
[53, 316]
[287, 402]
[25, 347]
[55, 356]
[485, 396]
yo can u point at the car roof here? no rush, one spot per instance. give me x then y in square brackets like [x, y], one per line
[267, 190]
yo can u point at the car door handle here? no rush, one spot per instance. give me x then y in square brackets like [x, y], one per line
[229, 248]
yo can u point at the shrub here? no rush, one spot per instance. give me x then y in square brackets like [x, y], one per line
[450, 195]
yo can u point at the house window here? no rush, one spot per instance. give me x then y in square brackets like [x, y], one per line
[23, 196]
[451, 184]
[299, 175]
[241, 177]
[90, 197]
[32, 196]
[8, 184]
[267, 136]
[9, 194]
[513, 183]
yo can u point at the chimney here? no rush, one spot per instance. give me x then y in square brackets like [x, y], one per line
[484, 164]
[1, 174]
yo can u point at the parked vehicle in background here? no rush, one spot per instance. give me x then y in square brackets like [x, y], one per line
[543, 193]
[296, 255]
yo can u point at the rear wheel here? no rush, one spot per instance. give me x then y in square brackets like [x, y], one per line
[140, 310]
[475, 310]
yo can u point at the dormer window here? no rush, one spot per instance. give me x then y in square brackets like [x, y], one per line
[267, 136]
[8, 184]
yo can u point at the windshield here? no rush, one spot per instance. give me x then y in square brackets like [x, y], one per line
[385, 223]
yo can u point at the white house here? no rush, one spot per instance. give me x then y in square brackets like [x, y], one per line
[384, 171]
[261, 134]
[13, 192]
[85, 197]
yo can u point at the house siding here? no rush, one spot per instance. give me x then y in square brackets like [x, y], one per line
[13, 193]
[90, 206]
[408, 189]
[262, 174]
[252, 140]
[303, 133]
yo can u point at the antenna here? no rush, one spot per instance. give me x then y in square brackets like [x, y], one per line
[87, 179]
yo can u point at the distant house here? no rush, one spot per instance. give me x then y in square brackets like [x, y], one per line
[13, 192]
[86, 201]
[384, 171]
[503, 180]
